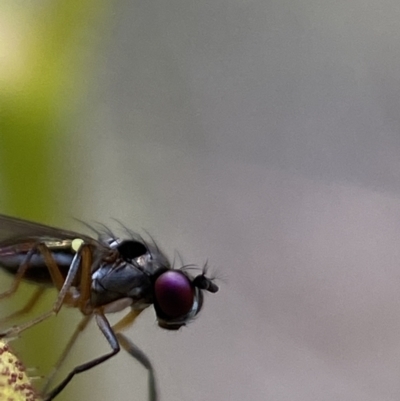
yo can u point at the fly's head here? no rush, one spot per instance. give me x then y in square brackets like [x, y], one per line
[178, 297]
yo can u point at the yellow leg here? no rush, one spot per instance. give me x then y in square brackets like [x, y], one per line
[127, 320]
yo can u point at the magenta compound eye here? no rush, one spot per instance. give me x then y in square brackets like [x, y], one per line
[174, 294]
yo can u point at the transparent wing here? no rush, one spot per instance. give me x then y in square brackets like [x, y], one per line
[11, 227]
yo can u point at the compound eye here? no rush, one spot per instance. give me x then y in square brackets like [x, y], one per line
[174, 294]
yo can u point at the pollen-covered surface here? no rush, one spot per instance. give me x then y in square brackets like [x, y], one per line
[14, 383]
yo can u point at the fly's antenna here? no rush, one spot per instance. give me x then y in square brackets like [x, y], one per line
[205, 283]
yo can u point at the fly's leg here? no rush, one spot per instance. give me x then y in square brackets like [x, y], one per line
[57, 279]
[60, 284]
[110, 336]
[135, 351]
[38, 248]
[114, 339]
[81, 302]
[127, 320]
[85, 280]
[82, 325]
[141, 357]
[27, 307]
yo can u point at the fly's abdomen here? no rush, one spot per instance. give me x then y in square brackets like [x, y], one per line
[13, 256]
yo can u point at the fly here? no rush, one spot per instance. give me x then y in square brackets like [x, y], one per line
[98, 276]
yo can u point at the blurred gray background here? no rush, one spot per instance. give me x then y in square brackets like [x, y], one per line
[262, 136]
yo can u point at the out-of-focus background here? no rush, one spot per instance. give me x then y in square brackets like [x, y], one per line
[262, 136]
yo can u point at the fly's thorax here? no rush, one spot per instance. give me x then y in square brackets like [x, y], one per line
[130, 275]
[111, 282]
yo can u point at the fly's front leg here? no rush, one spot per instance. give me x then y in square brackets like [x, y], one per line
[115, 340]
[135, 351]
[141, 357]
[81, 302]
[110, 336]
[58, 281]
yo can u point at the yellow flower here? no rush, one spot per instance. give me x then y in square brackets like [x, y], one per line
[14, 382]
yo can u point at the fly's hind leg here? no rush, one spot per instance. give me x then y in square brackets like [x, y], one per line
[58, 280]
[51, 265]
[21, 271]
[19, 275]
[29, 305]
[110, 336]
[115, 340]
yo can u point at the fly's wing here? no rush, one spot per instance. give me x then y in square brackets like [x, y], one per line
[11, 227]
[17, 238]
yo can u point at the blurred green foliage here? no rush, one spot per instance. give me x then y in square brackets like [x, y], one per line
[45, 49]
